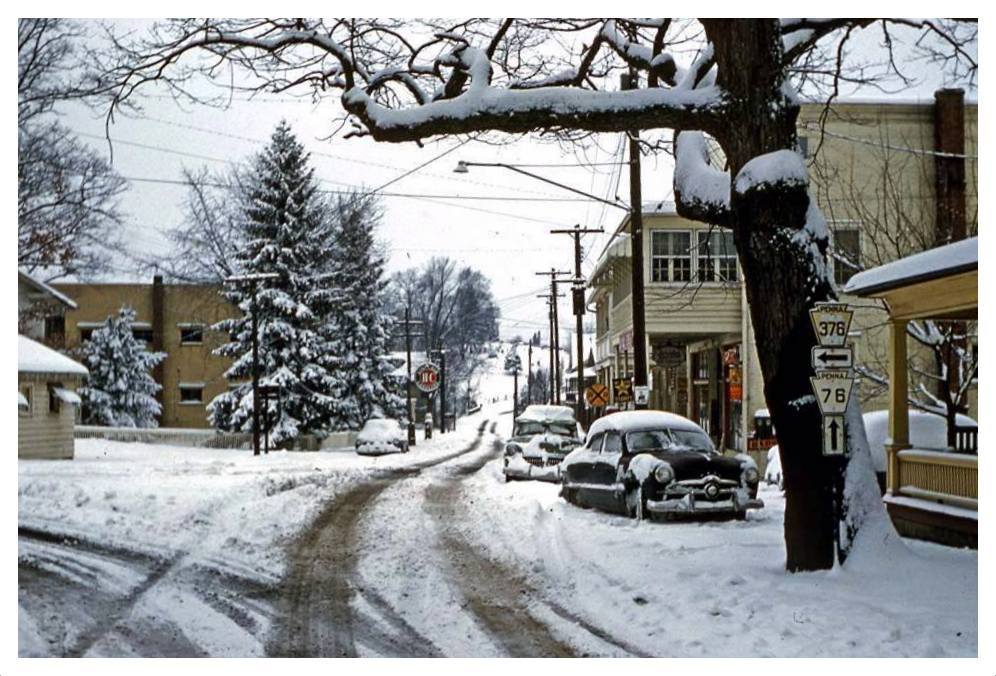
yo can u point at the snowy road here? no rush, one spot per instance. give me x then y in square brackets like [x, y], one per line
[160, 551]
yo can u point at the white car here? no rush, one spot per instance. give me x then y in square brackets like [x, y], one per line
[380, 436]
[541, 438]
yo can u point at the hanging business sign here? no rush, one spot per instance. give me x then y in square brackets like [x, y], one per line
[623, 390]
[427, 377]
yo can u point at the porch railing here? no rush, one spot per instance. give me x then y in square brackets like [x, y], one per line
[947, 478]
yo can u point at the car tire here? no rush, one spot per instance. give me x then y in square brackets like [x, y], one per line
[741, 515]
[636, 504]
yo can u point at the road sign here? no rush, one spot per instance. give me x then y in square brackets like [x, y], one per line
[833, 357]
[834, 439]
[831, 322]
[623, 389]
[427, 377]
[641, 394]
[833, 390]
[597, 394]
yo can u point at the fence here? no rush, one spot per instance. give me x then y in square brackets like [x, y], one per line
[166, 435]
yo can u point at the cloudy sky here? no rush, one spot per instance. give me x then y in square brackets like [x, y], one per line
[491, 219]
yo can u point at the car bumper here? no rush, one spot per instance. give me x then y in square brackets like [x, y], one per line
[740, 501]
[520, 469]
[378, 449]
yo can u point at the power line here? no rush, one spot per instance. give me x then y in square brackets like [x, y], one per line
[888, 146]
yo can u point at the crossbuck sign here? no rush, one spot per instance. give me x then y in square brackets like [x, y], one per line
[832, 361]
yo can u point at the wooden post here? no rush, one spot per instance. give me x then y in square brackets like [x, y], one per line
[899, 415]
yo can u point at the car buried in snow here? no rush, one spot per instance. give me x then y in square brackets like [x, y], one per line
[380, 436]
[652, 463]
[542, 436]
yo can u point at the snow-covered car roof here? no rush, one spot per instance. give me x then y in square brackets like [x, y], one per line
[34, 357]
[927, 431]
[630, 421]
[545, 413]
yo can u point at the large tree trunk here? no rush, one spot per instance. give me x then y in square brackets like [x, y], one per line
[784, 275]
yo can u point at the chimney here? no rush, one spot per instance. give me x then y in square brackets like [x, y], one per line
[949, 172]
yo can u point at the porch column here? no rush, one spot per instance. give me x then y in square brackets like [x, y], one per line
[899, 415]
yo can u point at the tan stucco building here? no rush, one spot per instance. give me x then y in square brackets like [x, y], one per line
[171, 318]
[881, 174]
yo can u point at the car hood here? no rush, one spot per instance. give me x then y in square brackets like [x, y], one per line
[695, 464]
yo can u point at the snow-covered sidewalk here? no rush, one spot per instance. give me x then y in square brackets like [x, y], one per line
[693, 589]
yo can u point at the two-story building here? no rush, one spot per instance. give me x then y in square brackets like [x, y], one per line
[171, 318]
[892, 178]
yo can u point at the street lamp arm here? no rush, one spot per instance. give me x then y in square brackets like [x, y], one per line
[545, 180]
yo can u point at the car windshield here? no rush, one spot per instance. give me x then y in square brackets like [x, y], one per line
[668, 440]
[526, 428]
[380, 424]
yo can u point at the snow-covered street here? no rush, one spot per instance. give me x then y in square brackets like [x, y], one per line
[151, 550]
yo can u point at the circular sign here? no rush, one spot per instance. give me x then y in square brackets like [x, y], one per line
[427, 377]
[669, 356]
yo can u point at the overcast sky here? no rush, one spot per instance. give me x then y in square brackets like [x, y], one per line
[482, 218]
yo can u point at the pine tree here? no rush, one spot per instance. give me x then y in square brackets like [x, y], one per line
[120, 392]
[286, 232]
[359, 333]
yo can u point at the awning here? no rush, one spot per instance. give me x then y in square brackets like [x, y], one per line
[68, 396]
[22, 401]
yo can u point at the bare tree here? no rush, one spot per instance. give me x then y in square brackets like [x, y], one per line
[67, 195]
[400, 83]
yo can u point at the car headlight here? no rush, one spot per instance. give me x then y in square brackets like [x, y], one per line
[513, 449]
[664, 474]
[751, 475]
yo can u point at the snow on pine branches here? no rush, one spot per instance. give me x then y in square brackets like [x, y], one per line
[317, 300]
[120, 391]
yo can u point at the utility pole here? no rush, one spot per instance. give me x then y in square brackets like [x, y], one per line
[636, 240]
[550, 374]
[408, 385]
[577, 293]
[554, 335]
[442, 390]
[515, 392]
[529, 374]
[253, 280]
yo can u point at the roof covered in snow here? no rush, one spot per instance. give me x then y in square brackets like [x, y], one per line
[944, 261]
[629, 421]
[44, 288]
[34, 357]
[544, 413]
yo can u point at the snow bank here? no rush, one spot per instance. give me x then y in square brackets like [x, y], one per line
[927, 431]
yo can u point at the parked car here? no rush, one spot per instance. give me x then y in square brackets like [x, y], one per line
[542, 436]
[644, 463]
[380, 436]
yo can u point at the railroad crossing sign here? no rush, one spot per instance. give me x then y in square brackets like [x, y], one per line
[834, 442]
[624, 390]
[833, 357]
[427, 377]
[597, 394]
[833, 391]
[831, 322]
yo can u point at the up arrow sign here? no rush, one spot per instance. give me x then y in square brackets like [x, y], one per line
[832, 357]
[833, 435]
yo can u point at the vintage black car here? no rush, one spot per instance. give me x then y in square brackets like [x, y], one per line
[542, 437]
[644, 463]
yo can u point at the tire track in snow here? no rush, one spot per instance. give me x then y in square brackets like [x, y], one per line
[499, 596]
[317, 617]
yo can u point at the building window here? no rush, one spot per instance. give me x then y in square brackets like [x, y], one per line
[803, 146]
[55, 329]
[191, 393]
[191, 334]
[142, 334]
[716, 256]
[24, 407]
[846, 254]
[53, 397]
[86, 333]
[671, 256]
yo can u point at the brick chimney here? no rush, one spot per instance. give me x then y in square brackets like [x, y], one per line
[158, 325]
[949, 137]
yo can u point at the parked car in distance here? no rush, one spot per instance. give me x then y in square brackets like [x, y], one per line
[542, 436]
[645, 463]
[380, 436]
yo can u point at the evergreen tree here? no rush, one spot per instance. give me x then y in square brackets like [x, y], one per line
[358, 337]
[120, 392]
[286, 232]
